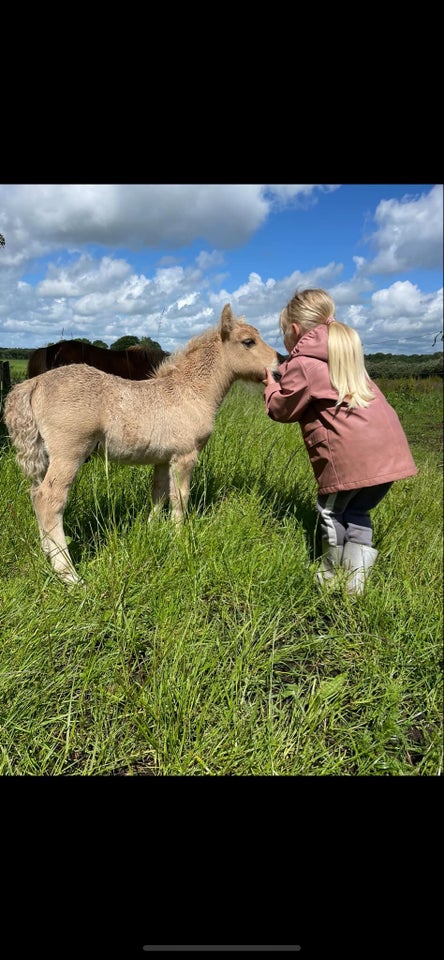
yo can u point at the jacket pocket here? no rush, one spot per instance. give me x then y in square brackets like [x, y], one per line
[318, 448]
[316, 437]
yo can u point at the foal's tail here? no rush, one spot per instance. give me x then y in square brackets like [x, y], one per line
[23, 430]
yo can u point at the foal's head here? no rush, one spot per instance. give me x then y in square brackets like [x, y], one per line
[246, 351]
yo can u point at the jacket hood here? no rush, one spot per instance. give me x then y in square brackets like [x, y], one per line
[314, 343]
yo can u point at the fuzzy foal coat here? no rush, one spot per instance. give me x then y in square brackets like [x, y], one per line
[57, 419]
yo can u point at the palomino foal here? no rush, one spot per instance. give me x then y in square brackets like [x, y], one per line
[57, 419]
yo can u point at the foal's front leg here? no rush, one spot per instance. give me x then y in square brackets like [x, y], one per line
[180, 472]
[160, 488]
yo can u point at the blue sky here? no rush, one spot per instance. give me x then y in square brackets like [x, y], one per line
[161, 260]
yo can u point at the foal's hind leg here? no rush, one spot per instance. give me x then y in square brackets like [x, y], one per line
[49, 501]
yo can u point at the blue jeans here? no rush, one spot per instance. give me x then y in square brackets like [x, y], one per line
[345, 515]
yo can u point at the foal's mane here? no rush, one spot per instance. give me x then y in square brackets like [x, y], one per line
[202, 342]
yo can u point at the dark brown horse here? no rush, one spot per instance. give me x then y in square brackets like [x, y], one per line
[138, 363]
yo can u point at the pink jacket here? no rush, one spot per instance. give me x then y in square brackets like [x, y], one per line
[361, 447]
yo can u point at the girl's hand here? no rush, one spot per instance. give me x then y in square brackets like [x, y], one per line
[269, 378]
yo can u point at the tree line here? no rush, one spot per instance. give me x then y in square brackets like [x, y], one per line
[123, 343]
[389, 366]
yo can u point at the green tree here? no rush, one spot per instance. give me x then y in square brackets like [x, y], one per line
[124, 342]
[150, 344]
[100, 343]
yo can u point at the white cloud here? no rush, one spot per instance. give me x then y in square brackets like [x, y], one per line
[355, 316]
[402, 298]
[409, 234]
[299, 193]
[85, 274]
[186, 301]
[207, 260]
[401, 315]
[38, 218]
[87, 294]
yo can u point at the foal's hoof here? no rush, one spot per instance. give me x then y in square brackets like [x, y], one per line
[72, 580]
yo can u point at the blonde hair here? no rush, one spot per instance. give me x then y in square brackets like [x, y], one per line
[346, 366]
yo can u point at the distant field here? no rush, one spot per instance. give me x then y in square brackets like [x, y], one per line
[17, 369]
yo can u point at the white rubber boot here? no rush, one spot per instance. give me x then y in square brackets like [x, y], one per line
[329, 566]
[357, 560]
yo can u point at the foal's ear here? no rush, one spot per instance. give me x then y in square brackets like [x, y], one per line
[227, 322]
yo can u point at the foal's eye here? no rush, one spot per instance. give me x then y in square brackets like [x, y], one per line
[249, 343]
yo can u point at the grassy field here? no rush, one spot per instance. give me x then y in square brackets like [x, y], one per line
[211, 651]
[17, 370]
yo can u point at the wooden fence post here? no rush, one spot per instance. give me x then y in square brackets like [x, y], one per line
[5, 379]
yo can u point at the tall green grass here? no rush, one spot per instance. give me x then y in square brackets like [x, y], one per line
[211, 651]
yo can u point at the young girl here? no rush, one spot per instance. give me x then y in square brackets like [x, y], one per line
[354, 439]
